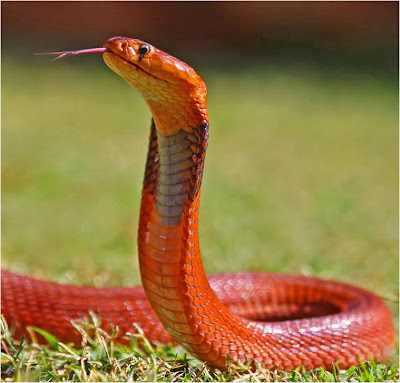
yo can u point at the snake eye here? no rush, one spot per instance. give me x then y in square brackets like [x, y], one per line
[144, 48]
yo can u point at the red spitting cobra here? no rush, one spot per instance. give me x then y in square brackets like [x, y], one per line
[280, 321]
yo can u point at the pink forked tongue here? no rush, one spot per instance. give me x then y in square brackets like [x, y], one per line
[73, 53]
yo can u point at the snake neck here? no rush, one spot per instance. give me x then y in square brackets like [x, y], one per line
[169, 254]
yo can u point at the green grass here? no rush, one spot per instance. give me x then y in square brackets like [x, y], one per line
[99, 358]
[301, 177]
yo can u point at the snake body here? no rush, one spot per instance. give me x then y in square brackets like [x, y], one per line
[281, 321]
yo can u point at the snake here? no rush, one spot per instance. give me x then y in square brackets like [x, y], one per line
[281, 321]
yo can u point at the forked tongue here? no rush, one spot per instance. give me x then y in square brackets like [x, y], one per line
[73, 53]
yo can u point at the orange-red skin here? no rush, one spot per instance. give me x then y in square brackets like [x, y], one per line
[351, 324]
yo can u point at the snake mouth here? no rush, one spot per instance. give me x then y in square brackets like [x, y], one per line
[137, 67]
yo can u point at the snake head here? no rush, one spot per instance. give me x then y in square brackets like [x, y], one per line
[138, 61]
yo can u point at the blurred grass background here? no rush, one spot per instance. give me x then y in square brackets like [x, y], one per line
[301, 173]
[302, 167]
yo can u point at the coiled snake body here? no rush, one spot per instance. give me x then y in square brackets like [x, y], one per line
[281, 321]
